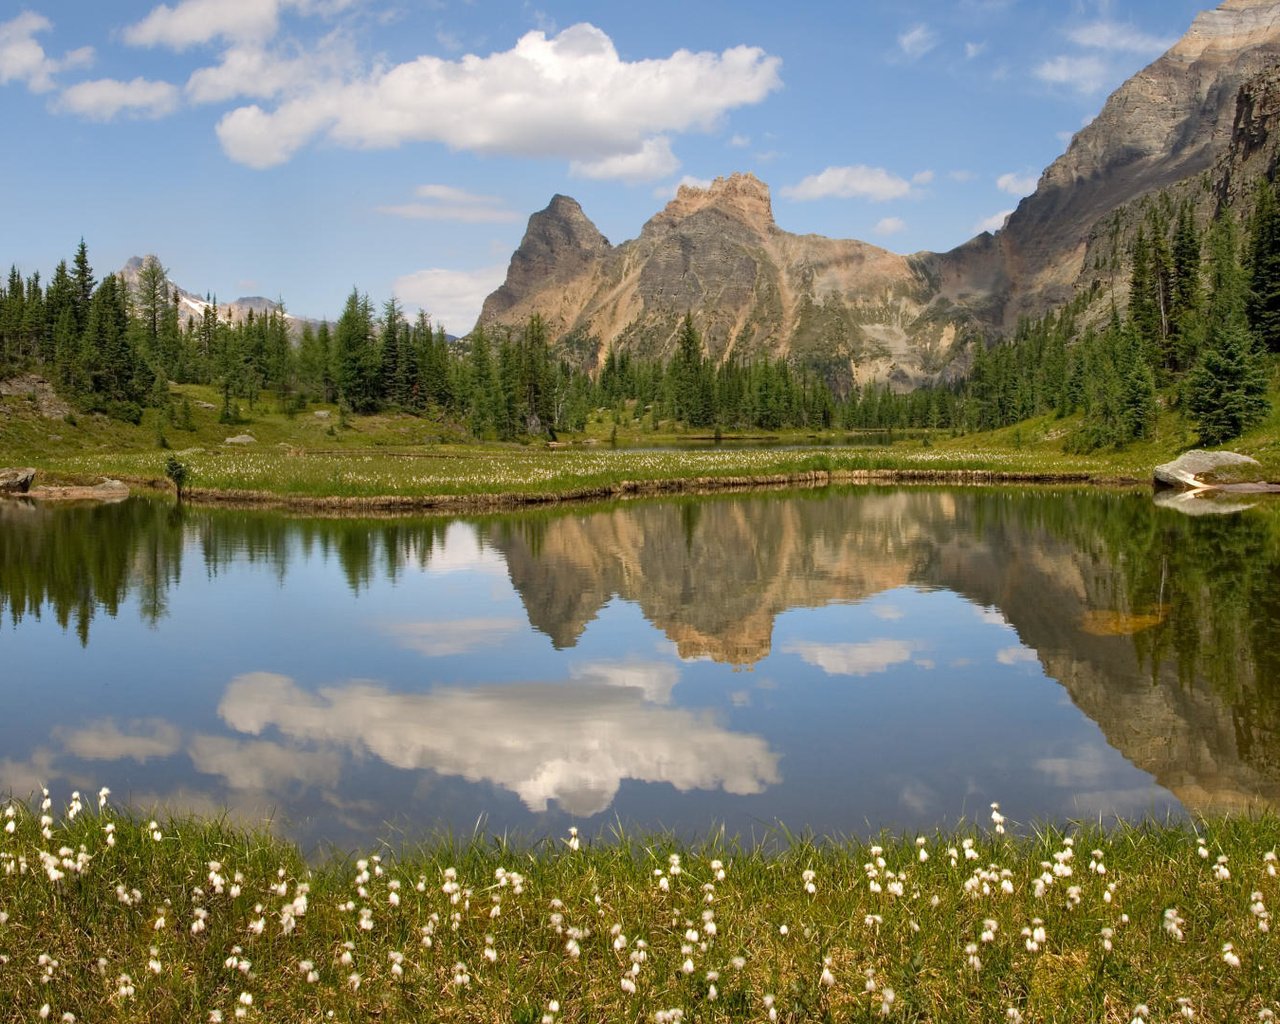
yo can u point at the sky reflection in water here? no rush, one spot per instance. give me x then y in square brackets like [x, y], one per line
[839, 664]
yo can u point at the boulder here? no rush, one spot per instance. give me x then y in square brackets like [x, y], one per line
[16, 481]
[241, 439]
[1198, 469]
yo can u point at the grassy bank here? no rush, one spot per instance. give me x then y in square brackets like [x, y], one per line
[104, 917]
[316, 455]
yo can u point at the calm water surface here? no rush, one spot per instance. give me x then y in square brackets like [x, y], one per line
[838, 661]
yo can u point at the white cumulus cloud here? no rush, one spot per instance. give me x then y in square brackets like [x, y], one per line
[104, 98]
[890, 226]
[452, 297]
[567, 96]
[573, 742]
[23, 59]
[193, 22]
[856, 182]
[1016, 656]
[654, 159]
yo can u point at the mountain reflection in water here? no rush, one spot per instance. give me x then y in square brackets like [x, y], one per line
[835, 660]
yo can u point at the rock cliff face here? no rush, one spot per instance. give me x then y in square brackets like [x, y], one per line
[1170, 123]
[753, 288]
[857, 311]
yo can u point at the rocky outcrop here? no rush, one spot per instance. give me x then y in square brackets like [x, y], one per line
[16, 481]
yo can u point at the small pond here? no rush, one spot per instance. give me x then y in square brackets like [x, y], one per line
[835, 661]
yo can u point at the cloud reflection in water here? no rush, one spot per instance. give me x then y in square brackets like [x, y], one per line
[572, 742]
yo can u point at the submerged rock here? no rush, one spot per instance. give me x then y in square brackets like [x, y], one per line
[16, 481]
[1198, 469]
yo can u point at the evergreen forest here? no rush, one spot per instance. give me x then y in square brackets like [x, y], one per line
[1198, 336]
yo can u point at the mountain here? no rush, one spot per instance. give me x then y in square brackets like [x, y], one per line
[192, 306]
[1168, 124]
[1193, 122]
[754, 288]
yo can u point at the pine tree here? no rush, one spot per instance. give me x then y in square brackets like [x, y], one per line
[1227, 389]
[1264, 268]
[355, 355]
[1186, 292]
[84, 286]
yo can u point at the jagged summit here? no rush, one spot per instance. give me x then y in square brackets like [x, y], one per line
[559, 244]
[741, 196]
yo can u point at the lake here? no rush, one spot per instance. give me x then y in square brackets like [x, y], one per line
[834, 661]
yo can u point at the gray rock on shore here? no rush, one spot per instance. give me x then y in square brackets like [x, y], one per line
[1198, 469]
[16, 481]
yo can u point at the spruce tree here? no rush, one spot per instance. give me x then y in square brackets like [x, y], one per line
[1264, 268]
[1227, 389]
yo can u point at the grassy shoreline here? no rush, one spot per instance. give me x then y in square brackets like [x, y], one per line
[105, 916]
[394, 462]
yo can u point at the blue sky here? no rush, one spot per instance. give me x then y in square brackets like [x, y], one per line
[298, 148]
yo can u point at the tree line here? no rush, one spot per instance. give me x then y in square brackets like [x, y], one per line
[1203, 311]
[113, 347]
[1203, 314]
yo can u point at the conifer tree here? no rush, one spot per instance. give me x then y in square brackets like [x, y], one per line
[1227, 389]
[355, 355]
[1264, 268]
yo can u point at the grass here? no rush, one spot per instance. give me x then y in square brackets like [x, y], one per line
[307, 456]
[105, 916]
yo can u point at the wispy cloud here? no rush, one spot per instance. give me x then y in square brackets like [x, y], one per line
[890, 226]
[440, 638]
[1119, 38]
[1085, 74]
[446, 202]
[916, 41]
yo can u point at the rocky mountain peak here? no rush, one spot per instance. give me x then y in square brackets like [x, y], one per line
[559, 244]
[742, 196]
